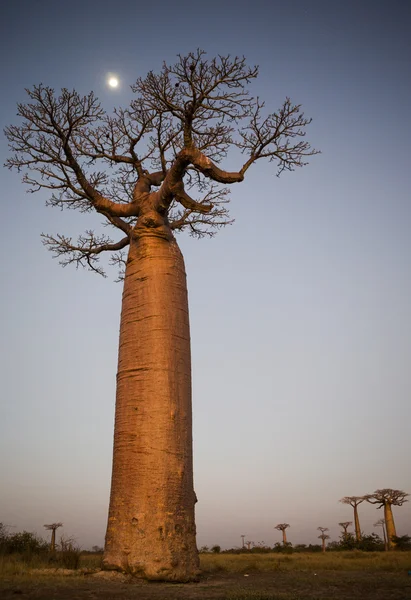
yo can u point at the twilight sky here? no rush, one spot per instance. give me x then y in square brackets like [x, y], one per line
[300, 311]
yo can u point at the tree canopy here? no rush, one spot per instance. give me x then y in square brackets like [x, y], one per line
[387, 496]
[156, 163]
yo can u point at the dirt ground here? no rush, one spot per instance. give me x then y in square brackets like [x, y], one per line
[326, 585]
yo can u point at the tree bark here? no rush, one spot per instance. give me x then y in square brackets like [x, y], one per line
[284, 538]
[389, 524]
[357, 524]
[151, 528]
[53, 541]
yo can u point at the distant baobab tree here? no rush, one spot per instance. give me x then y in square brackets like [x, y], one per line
[282, 527]
[345, 525]
[354, 501]
[381, 523]
[149, 171]
[243, 538]
[52, 527]
[388, 498]
[323, 536]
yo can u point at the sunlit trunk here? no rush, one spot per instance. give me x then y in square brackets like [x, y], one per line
[358, 536]
[284, 537]
[151, 530]
[323, 545]
[389, 524]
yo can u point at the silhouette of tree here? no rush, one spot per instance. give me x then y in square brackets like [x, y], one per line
[381, 523]
[148, 171]
[345, 525]
[52, 527]
[354, 501]
[388, 498]
[282, 527]
[323, 536]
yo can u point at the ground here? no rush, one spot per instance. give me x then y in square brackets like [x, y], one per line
[291, 585]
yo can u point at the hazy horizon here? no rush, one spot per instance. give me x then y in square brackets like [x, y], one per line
[300, 311]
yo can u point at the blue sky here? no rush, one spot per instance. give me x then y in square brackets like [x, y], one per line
[300, 311]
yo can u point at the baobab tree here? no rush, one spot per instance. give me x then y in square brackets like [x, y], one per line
[388, 498]
[282, 527]
[354, 501]
[345, 525]
[139, 170]
[323, 536]
[381, 523]
[53, 527]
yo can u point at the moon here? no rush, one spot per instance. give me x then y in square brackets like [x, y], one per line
[113, 81]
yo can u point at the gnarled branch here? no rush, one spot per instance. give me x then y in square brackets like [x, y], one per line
[85, 252]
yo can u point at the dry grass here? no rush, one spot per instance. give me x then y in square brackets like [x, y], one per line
[330, 561]
[17, 566]
[333, 576]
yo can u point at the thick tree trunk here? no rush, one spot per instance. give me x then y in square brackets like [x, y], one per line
[284, 538]
[151, 529]
[53, 541]
[323, 545]
[358, 536]
[389, 524]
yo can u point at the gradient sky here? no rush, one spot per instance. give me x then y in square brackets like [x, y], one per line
[300, 311]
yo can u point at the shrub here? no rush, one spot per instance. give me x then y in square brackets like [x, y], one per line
[24, 543]
[69, 553]
[402, 542]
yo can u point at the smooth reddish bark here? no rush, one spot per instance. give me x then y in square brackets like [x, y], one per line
[151, 528]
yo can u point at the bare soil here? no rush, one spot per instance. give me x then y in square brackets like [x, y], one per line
[325, 585]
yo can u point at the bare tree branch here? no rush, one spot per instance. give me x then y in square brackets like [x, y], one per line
[387, 496]
[85, 252]
[158, 162]
[282, 526]
[352, 500]
[345, 525]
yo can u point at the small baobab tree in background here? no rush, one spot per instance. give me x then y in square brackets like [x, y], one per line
[323, 536]
[381, 523]
[282, 527]
[345, 525]
[138, 169]
[354, 501]
[53, 527]
[388, 498]
[242, 539]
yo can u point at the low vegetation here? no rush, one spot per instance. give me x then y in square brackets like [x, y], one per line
[29, 567]
[356, 560]
[24, 551]
[211, 563]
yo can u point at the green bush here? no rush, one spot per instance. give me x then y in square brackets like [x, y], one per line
[402, 542]
[25, 543]
[368, 543]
